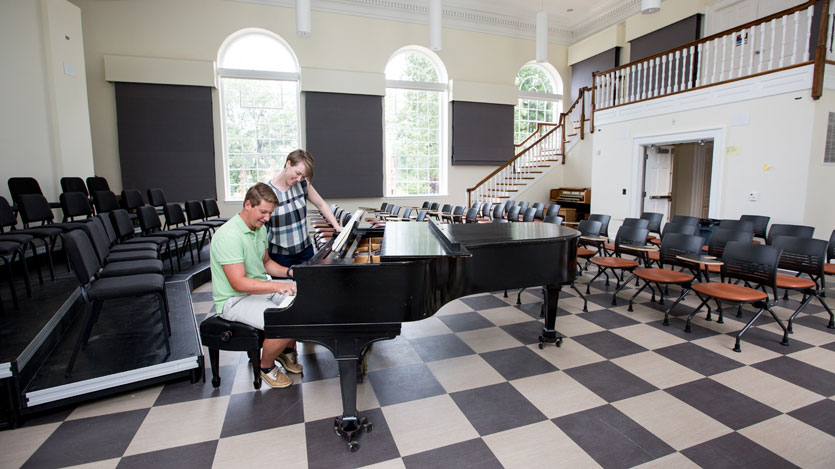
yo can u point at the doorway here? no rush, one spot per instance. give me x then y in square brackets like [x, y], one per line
[677, 178]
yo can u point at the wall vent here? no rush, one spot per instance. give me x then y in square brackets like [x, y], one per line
[829, 151]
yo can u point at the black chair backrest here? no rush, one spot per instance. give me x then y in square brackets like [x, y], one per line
[498, 211]
[132, 199]
[555, 219]
[458, 211]
[421, 216]
[529, 214]
[722, 236]
[407, 212]
[513, 214]
[680, 244]
[604, 222]
[194, 211]
[754, 263]
[486, 208]
[539, 208]
[384, 207]
[104, 218]
[681, 228]
[637, 222]
[23, 185]
[75, 204]
[804, 255]
[830, 252]
[395, 210]
[82, 256]
[426, 204]
[471, 215]
[739, 225]
[105, 201]
[476, 206]
[433, 207]
[759, 222]
[120, 219]
[779, 229]
[523, 206]
[156, 197]
[686, 219]
[148, 219]
[654, 220]
[8, 219]
[98, 238]
[97, 183]
[590, 228]
[508, 205]
[553, 209]
[174, 215]
[34, 208]
[634, 236]
[345, 217]
[447, 208]
[74, 184]
[210, 208]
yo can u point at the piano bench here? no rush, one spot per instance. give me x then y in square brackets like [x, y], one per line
[218, 334]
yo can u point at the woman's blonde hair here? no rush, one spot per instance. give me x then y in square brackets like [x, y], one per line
[300, 156]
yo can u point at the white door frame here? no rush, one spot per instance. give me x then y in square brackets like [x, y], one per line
[636, 179]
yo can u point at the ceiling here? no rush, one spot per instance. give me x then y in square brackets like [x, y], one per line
[569, 20]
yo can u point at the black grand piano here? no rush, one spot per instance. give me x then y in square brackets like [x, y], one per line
[350, 297]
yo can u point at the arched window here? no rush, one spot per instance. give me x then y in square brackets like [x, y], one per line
[416, 87]
[259, 89]
[540, 99]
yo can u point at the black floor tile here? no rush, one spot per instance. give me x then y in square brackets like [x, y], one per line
[676, 328]
[482, 302]
[184, 390]
[87, 440]
[607, 319]
[722, 403]
[517, 362]
[404, 383]
[611, 438]
[534, 310]
[472, 453]
[601, 299]
[246, 412]
[608, 344]
[820, 415]
[318, 366]
[810, 377]
[609, 381]
[327, 450]
[814, 322]
[734, 450]
[197, 455]
[771, 340]
[440, 347]
[699, 359]
[492, 409]
[527, 332]
[465, 322]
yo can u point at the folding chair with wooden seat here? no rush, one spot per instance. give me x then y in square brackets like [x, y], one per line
[674, 246]
[627, 237]
[778, 229]
[673, 227]
[604, 222]
[95, 290]
[75, 204]
[654, 220]
[523, 206]
[755, 264]
[457, 215]
[806, 257]
[421, 215]
[630, 222]
[175, 219]
[471, 216]
[759, 223]
[513, 214]
[498, 214]
[553, 209]
[539, 214]
[829, 267]
[211, 210]
[590, 230]
[507, 206]
[685, 219]
[484, 212]
[446, 212]
[555, 219]
[528, 214]
[737, 225]
[716, 247]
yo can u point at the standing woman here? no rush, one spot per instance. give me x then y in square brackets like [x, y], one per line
[289, 239]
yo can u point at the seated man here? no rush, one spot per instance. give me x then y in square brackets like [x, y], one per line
[241, 286]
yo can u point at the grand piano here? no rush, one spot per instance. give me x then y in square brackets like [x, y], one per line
[350, 297]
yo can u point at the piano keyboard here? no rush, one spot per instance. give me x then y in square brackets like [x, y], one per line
[282, 301]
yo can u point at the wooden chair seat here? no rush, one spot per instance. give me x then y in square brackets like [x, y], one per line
[730, 292]
[609, 247]
[614, 262]
[654, 256]
[663, 275]
[656, 241]
[794, 283]
[585, 253]
[829, 269]
[713, 269]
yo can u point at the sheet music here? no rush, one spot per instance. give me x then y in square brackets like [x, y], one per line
[346, 230]
[282, 300]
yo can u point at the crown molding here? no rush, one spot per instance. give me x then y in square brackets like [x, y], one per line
[465, 16]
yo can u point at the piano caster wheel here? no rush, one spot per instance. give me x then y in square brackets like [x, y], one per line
[216, 381]
[257, 383]
[368, 427]
[353, 446]
[559, 342]
[541, 346]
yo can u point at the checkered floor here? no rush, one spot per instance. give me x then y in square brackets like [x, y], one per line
[469, 387]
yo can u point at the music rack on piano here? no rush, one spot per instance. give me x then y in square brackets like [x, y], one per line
[413, 269]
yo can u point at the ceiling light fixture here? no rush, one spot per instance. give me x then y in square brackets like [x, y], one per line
[435, 13]
[542, 36]
[303, 18]
[649, 7]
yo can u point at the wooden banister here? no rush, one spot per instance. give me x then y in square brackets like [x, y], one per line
[820, 52]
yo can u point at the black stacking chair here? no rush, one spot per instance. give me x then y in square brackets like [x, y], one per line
[433, 207]
[498, 213]
[457, 215]
[74, 184]
[539, 214]
[486, 208]
[529, 214]
[523, 206]
[476, 205]
[95, 290]
[421, 215]
[684, 219]
[755, 264]
[19, 186]
[472, 215]
[126, 236]
[446, 212]
[425, 205]
[112, 237]
[654, 219]
[513, 214]
[716, 247]
[97, 183]
[150, 225]
[156, 199]
[604, 222]
[636, 222]
[212, 211]
[9, 250]
[119, 264]
[35, 209]
[75, 204]
[672, 246]
[196, 216]
[507, 206]
[807, 257]
[555, 219]
[132, 200]
[672, 227]
[589, 229]
[105, 201]
[553, 209]
[627, 236]
[27, 237]
[175, 219]
[779, 229]
[829, 267]
[738, 225]
[759, 222]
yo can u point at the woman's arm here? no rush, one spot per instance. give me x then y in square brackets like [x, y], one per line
[320, 203]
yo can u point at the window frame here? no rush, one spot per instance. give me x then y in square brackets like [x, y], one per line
[556, 83]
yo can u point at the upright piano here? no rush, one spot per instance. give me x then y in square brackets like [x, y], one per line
[349, 298]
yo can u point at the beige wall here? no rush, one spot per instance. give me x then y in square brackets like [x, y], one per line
[820, 189]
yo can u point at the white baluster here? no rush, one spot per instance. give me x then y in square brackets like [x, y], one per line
[773, 37]
[731, 62]
[688, 68]
[650, 78]
[724, 55]
[633, 83]
[751, 56]
[796, 38]
[809, 12]
[715, 55]
[675, 72]
[762, 48]
[661, 88]
[700, 65]
[783, 43]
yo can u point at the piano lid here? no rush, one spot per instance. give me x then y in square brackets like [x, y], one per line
[418, 240]
[478, 234]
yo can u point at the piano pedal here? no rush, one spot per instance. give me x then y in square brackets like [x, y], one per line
[349, 428]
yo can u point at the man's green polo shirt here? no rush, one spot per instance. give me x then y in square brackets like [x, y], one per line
[235, 243]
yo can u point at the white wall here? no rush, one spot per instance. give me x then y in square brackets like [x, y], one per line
[820, 189]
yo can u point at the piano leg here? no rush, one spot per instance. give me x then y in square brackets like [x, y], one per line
[350, 424]
[549, 304]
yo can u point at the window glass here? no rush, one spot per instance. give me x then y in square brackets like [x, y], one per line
[539, 100]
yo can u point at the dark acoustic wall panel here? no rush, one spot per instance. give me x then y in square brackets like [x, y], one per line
[669, 37]
[166, 139]
[581, 72]
[345, 137]
[482, 133]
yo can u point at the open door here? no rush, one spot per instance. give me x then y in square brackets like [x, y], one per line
[658, 179]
